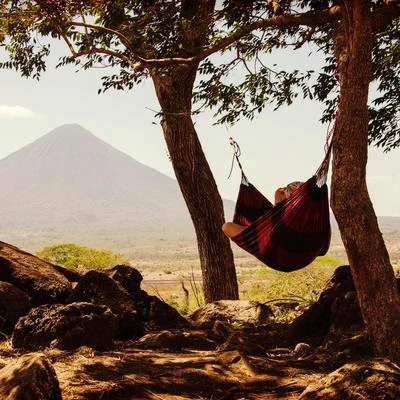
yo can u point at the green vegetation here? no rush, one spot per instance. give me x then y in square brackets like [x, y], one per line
[72, 256]
[288, 294]
[304, 285]
[166, 269]
[256, 282]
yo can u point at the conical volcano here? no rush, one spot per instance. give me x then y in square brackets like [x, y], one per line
[70, 185]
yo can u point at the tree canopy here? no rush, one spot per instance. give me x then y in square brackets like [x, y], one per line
[137, 38]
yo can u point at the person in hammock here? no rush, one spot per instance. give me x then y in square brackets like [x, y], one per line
[231, 229]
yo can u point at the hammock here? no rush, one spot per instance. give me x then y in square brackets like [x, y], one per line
[291, 234]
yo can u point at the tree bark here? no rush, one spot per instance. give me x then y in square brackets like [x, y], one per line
[369, 260]
[174, 92]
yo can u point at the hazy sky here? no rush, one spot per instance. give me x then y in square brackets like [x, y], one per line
[277, 147]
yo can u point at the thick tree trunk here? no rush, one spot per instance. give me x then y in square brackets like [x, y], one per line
[174, 92]
[369, 260]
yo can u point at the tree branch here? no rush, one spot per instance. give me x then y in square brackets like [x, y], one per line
[133, 62]
[96, 50]
[383, 16]
[305, 39]
[380, 17]
[285, 21]
[280, 21]
[124, 40]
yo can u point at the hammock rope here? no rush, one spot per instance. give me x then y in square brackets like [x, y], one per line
[322, 171]
[291, 234]
[236, 154]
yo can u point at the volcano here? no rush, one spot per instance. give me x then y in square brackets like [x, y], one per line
[71, 186]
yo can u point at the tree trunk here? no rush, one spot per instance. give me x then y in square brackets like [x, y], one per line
[369, 260]
[174, 92]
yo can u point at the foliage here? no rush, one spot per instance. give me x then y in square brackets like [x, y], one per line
[304, 285]
[72, 256]
[139, 39]
[288, 294]
[257, 282]
[264, 83]
[384, 111]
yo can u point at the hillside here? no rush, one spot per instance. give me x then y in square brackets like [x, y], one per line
[70, 185]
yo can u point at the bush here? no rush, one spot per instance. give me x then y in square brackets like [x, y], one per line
[69, 255]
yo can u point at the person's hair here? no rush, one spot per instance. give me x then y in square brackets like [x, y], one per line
[291, 187]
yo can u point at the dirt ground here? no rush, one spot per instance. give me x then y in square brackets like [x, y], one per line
[248, 364]
[189, 365]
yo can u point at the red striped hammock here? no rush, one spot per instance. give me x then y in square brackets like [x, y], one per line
[291, 234]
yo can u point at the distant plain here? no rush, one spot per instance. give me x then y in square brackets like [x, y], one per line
[170, 262]
[71, 187]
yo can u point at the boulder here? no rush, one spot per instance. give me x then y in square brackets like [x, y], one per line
[155, 314]
[346, 318]
[159, 315]
[333, 313]
[40, 279]
[177, 340]
[98, 288]
[30, 377]
[242, 312]
[364, 379]
[71, 274]
[66, 327]
[128, 277]
[14, 303]
[174, 341]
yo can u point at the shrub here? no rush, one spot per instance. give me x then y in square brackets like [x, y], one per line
[72, 256]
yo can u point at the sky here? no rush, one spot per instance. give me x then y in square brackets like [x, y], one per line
[277, 147]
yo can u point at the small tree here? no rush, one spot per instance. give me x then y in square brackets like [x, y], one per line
[70, 255]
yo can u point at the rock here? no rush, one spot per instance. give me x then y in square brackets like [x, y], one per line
[98, 288]
[366, 379]
[222, 329]
[176, 340]
[138, 312]
[14, 303]
[302, 350]
[316, 322]
[232, 311]
[239, 341]
[38, 278]
[66, 327]
[156, 314]
[163, 340]
[346, 318]
[128, 277]
[70, 274]
[160, 316]
[30, 377]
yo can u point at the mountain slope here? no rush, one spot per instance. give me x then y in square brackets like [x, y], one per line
[71, 180]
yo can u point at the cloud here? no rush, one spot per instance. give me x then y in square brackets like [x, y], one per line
[16, 112]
